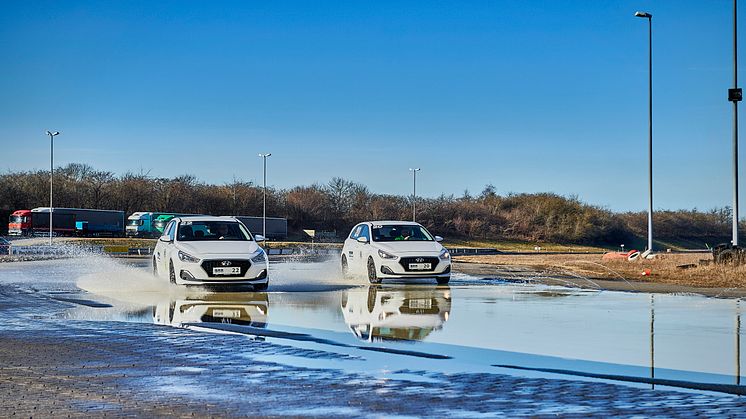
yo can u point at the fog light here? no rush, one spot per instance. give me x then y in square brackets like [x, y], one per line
[448, 269]
[262, 275]
[186, 275]
[385, 270]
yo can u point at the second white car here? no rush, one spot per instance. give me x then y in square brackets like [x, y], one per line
[395, 250]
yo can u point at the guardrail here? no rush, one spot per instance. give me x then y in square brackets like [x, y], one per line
[472, 251]
[54, 250]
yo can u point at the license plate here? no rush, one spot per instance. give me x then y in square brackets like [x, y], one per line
[227, 271]
[421, 303]
[419, 266]
[226, 314]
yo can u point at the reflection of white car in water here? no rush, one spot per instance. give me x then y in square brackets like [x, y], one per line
[210, 251]
[246, 308]
[397, 313]
[395, 249]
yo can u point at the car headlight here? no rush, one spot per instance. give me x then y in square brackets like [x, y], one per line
[444, 255]
[385, 255]
[261, 257]
[186, 257]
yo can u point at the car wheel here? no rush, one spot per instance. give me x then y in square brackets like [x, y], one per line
[372, 275]
[372, 297]
[171, 273]
[345, 268]
[443, 280]
[261, 287]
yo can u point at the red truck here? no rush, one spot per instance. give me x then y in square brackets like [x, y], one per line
[26, 223]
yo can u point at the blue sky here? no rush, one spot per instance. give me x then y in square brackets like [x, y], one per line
[529, 96]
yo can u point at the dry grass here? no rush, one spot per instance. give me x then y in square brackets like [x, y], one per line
[520, 246]
[664, 268]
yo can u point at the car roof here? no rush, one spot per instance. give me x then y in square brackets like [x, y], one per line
[389, 222]
[205, 218]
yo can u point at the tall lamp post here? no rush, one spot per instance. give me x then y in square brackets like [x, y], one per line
[51, 135]
[735, 95]
[649, 17]
[414, 192]
[264, 213]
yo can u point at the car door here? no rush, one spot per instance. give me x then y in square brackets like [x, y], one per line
[167, 247]
[364, 249]
[351, 248]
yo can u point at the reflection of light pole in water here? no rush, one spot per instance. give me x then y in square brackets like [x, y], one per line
[649, 17]
[738, 342]
[414, 192]
[652, 340]
[51, 135]
[264, 205]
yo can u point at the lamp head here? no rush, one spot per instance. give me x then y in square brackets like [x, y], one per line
[53, 133]
[643, 14]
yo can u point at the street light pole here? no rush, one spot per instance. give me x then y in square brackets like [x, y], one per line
[414, 192]
[649, 17]
[735, 95]
[51, 134]
[264, 205]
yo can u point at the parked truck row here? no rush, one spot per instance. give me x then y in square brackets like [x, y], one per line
[95, 223]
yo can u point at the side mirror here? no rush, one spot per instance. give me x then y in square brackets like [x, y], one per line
[165, 238]
[362, 239]
[438, 239]
[259, 238]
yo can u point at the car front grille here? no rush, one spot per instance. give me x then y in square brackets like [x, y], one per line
[207, 265]
[433, 261]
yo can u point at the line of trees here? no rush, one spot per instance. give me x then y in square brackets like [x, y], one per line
[340, 204]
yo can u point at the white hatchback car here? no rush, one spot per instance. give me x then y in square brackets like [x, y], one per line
[395, 249]
[210, 251]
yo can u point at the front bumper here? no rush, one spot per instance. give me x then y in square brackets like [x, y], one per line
[392, 269]
[195, 274]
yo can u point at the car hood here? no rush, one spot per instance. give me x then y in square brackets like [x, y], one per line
[407, 247]
[219, 247]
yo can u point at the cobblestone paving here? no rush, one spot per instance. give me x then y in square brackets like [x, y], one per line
[55, 367]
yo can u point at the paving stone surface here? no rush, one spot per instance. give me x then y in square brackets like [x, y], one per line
[53, 367]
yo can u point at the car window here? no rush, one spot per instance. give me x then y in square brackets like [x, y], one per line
[365, 232]
[356, 232]
[171, 230]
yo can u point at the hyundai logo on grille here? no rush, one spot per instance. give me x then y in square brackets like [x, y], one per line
[225, 263]
[419, 260]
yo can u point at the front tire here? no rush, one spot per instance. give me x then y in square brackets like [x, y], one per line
[171, 273]
[372, 274]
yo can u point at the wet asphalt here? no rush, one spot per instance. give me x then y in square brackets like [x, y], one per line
[95, 335]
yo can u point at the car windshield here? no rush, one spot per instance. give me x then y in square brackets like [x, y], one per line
[212, 230]
[16, 219]
[398, 232]
[134, 222]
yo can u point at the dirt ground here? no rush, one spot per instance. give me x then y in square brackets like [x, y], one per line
[668, 272]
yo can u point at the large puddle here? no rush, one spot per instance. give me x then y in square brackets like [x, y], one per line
[471, 325]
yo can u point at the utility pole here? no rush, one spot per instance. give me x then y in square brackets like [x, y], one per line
[735, 95]
[414, 192]
[264, 205]
[51, 134]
